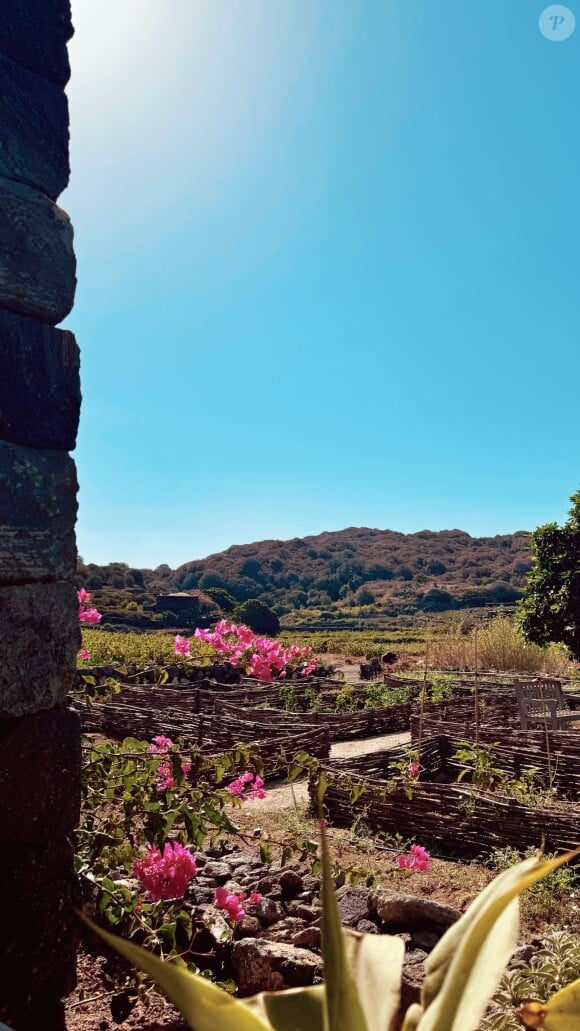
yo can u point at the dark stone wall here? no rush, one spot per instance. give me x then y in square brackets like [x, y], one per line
[39, 410]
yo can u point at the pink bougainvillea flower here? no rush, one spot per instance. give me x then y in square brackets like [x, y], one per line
[254, 784]
[255, 898]
[84, 654]
[257, 788]
[83, 596]
[417, 861]
[223, 899]
[413, 769]
[89, 616]
[165, 779]
[261, 657]
[165, 875]
[182, 645]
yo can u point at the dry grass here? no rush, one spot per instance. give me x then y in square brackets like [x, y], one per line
[500, 646]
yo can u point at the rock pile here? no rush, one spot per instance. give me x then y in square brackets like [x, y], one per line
[277, 945]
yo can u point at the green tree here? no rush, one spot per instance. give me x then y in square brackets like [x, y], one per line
[550, 608]
[223, 598]
[257, 616]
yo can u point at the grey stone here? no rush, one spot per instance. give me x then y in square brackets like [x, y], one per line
[243, 859]
[409, 910]
[39, 809]
[34, 33]
[269, 966]
[303, 911]
[283, 931]
[411, 982]
[250, 927]
[34, 119]
[38, 509]
[211, 928]
[269, 912]
[265, 885]
[220, 872]
[352, 905]
[37, 262]
[415, 956]
[425, 939]
[290, 883]
[309, 938]
[233, 887]
[40, 641]
[40, 394]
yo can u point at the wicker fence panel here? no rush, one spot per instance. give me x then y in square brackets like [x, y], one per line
[457, 821]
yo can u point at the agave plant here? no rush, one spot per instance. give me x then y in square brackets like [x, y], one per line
[362, 989]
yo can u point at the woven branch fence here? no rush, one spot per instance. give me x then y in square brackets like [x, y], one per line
[122, 717]
[457, 819]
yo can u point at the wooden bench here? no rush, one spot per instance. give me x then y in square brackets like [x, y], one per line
[543, 701]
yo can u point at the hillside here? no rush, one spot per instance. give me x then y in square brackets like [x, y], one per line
[348, 572]
[396, 572]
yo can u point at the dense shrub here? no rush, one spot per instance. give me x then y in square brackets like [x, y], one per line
[257, 616]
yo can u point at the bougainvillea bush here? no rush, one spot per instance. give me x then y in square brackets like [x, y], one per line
[252, 654]
[147, 809]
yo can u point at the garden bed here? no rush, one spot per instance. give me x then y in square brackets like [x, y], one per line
[554, 754]
[215, 733]
[456, 819]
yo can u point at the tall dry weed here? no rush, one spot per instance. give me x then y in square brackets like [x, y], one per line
[500, 645]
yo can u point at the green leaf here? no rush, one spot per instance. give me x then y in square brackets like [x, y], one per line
[204, 1006]
[344, 1009]
[294, 1010]
[464, 968]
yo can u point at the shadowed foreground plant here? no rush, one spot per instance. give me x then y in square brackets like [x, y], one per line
[363, 973]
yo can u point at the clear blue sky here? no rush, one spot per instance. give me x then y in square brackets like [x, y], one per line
[329, 269]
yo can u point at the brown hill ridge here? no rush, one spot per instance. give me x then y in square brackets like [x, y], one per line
[395, 572]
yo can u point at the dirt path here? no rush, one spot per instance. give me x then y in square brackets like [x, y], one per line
[281, 795]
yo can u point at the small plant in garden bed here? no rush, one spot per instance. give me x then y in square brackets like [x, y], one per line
[479, 766]
[553, 967]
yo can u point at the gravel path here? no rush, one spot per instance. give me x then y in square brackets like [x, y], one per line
[281, 795]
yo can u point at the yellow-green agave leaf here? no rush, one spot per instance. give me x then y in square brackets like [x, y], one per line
[464, 968]
[344, 1011]
[560, 1013]
[205, 1006]
[292, 1010]
[412, 1017]
[376, 965]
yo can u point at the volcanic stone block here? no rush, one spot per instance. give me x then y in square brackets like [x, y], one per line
[40, 394]
[38, 646]
[37, 262]
[40, 775]
[38, 934]
[34, 33]
[38, 509]
[34, 120]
